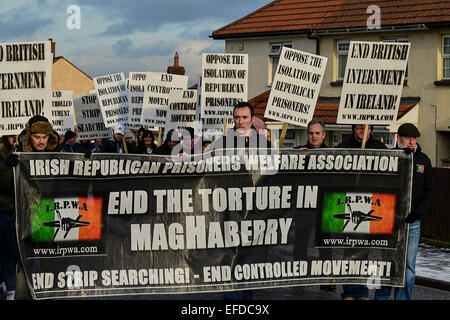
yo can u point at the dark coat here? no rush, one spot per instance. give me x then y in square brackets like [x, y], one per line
[76, 148]
[308, 146]
[423, 184]
[371, 143]
[7, 189]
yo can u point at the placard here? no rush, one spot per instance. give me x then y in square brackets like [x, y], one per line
[373, 82]
[181, 111]
[156, 96]
[296, 87]
[112, 95]
[224, 85]
[25, 83]
[89, 118]
[61, 113]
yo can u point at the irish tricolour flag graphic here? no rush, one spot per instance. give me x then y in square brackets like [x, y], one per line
[356, 212]
[66, 219]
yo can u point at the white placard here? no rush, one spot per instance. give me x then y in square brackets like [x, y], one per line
[136, 98]
[181, 110]
[224, 85]
[89, 118]
[156, 96]
[61, 113]
[373, 82]
[296, 86]
[208, 127]
[25, 83]
[112, 95]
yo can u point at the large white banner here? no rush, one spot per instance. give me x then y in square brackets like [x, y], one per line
[156, 96]
[373, 82]
[25, 83]
[61, 113]
[89, 117]
[296, 87]
[112, 95]
[224, 83]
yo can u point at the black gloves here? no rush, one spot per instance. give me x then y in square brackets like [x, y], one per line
[412, 217]
[12, 160]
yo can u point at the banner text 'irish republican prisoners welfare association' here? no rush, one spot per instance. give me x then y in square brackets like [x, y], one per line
[133, 224]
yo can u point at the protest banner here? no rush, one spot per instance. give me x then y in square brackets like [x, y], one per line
[156, 96]
[126, 224]
[136, 98]
[90, 124]
[224, 83]
[61, 112]
[373, 82]
[112, 96]
[25, 83]
[181, 111]
[296, 87]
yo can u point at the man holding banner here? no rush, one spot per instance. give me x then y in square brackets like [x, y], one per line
[421, 201]
[356, 138]
[38, 136]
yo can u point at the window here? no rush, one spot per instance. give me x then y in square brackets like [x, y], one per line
[386, 137]
[342, 54]
[289, 139]
[446, 57]
[274, 58]
[404, 40]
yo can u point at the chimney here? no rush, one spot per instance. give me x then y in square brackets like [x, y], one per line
[176, 68]
[176, 60]
[52, 46]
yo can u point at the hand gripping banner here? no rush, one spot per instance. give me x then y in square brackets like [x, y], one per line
[121, 224]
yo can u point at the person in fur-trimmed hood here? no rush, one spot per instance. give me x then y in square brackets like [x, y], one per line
[39, 136]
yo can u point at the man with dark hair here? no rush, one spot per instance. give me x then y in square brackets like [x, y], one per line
[70, 143]
[356, 138]
[172, 139]
[244, 134]
[421, 201]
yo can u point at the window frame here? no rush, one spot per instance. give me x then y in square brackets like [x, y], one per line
[275, 55]
[445, 56]
[340, 53]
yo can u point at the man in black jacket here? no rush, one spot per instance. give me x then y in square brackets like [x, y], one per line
[38, 136]
[421, 201]
[356, 138]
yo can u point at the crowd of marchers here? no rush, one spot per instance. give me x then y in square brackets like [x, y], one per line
[39, 136]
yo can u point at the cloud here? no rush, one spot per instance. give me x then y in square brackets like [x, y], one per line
[126, 48]
[126, 18]
[21, 23]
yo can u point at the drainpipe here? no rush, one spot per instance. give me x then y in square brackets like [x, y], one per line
[311, 37]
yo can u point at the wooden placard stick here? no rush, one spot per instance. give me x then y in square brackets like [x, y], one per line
[283, 134]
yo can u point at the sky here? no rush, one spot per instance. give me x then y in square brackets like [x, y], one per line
[124, 36]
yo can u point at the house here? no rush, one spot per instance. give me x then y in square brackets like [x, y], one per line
[326, 27]
[67, 76]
